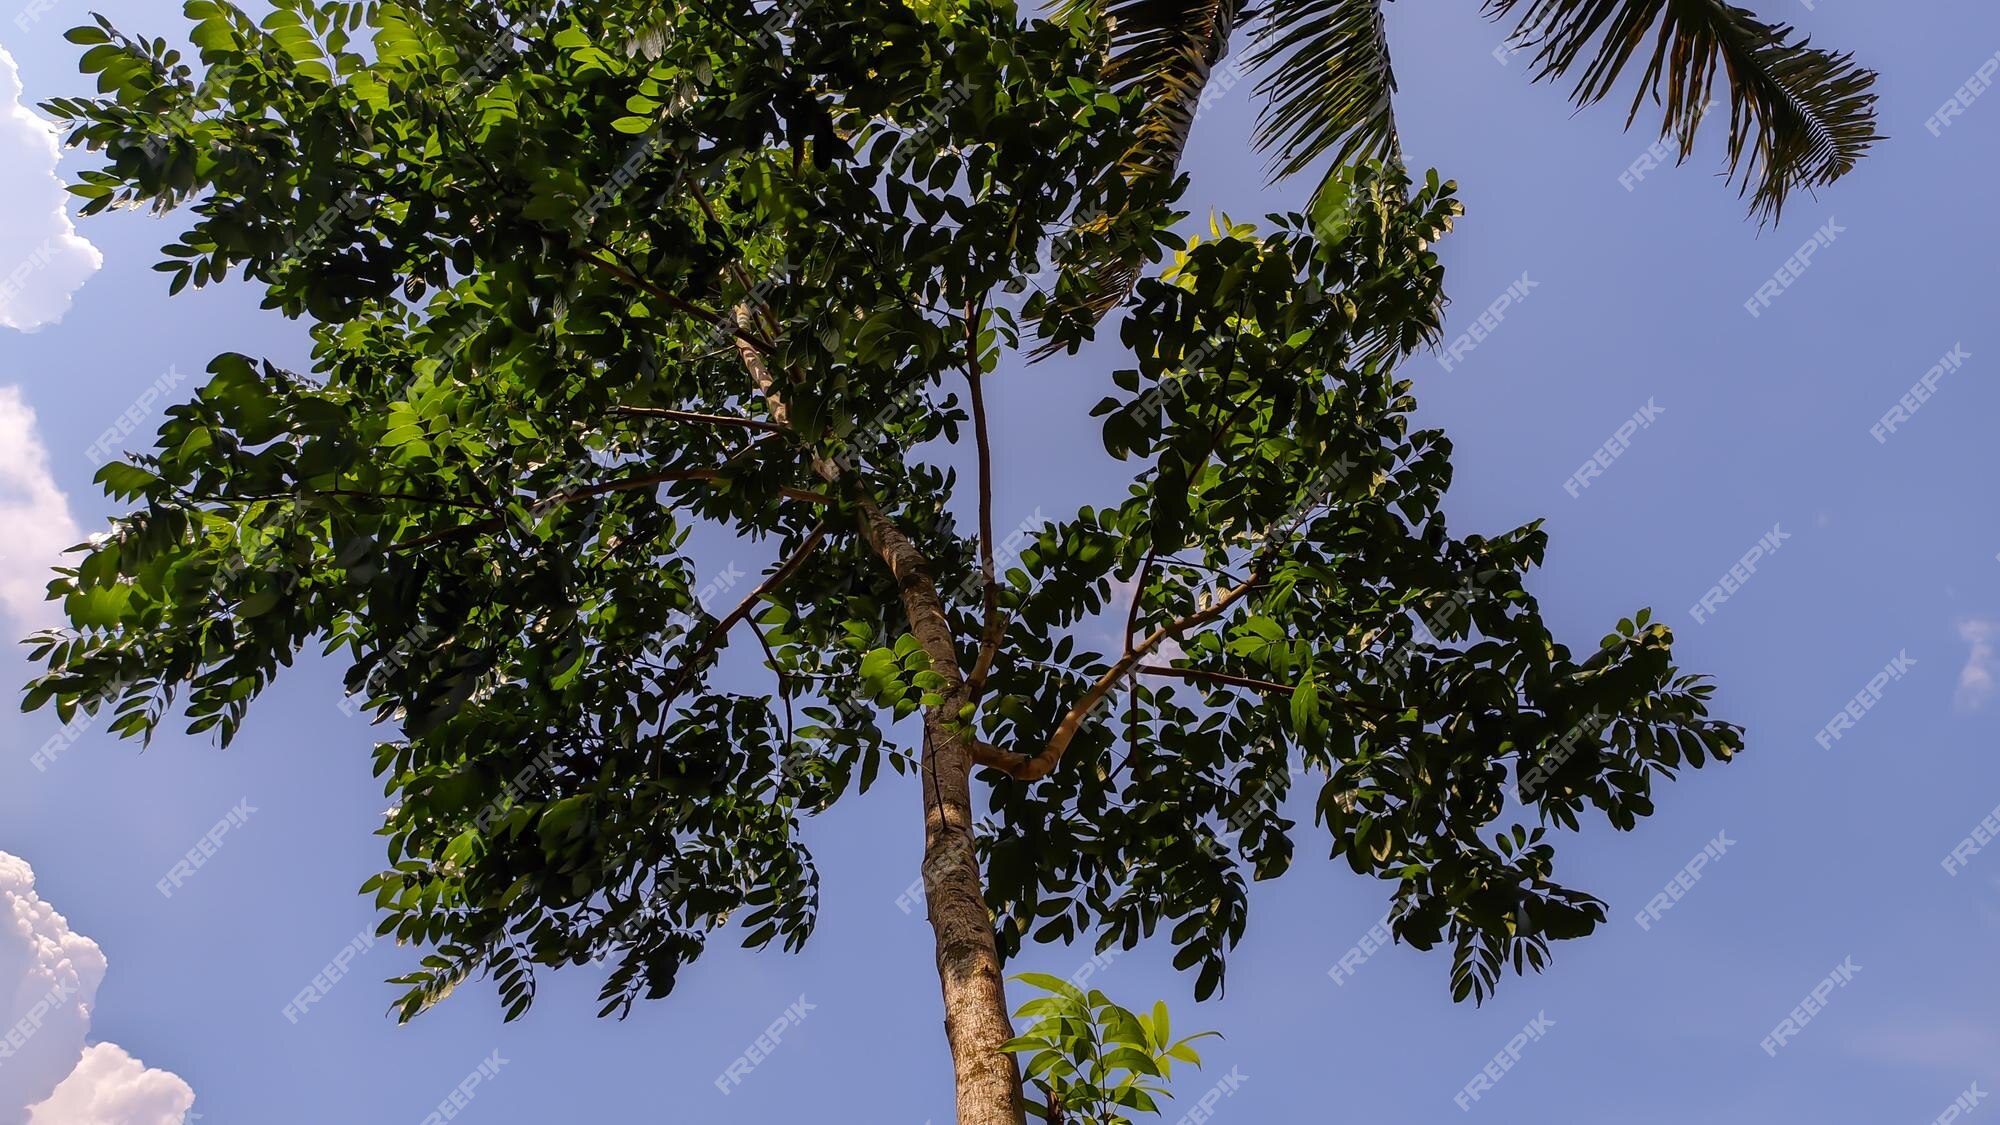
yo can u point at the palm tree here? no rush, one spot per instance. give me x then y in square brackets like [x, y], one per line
[1799, 117]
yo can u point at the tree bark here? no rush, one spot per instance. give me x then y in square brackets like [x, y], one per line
[976, 1020]
[968, 961]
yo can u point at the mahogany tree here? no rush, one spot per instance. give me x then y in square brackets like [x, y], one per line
[590, 284]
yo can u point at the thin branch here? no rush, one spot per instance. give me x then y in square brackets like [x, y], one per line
[735, 267]
[681, 304]
[1153, 550]
[995, 625]
[992, 757]
[1212, 569]
[691, 416]
[1138, 591]
[771, 582]
[1042, 764]
[784, 683]
[1197, 674]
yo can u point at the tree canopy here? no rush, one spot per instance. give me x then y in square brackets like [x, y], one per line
[601, 293]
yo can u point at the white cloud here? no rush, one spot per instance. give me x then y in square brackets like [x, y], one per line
[1975, 680]
[48, 981]
[110, 1087]
[48, 986]
[35, 514]
[42, 258]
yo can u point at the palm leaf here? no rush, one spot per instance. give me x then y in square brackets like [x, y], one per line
[1799, 117]
[1165, 50]
[1329, 86]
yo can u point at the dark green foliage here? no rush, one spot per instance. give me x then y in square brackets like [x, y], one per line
[521, 236]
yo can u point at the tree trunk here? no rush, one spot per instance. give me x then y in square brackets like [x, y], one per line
[968, 961]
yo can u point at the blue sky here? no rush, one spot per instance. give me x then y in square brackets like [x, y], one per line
[1757, 430]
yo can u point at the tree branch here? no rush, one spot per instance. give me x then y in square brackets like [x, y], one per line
[784, 683]
[1197, 674]
[1153, 550]
[995, 625]
[1024, 768]
[681, 304]
[735, 267]
[722, 626]
[709, 419]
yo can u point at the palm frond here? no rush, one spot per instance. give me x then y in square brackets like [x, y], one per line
[1166, 50]
[1330, 85]
[1799, 117]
